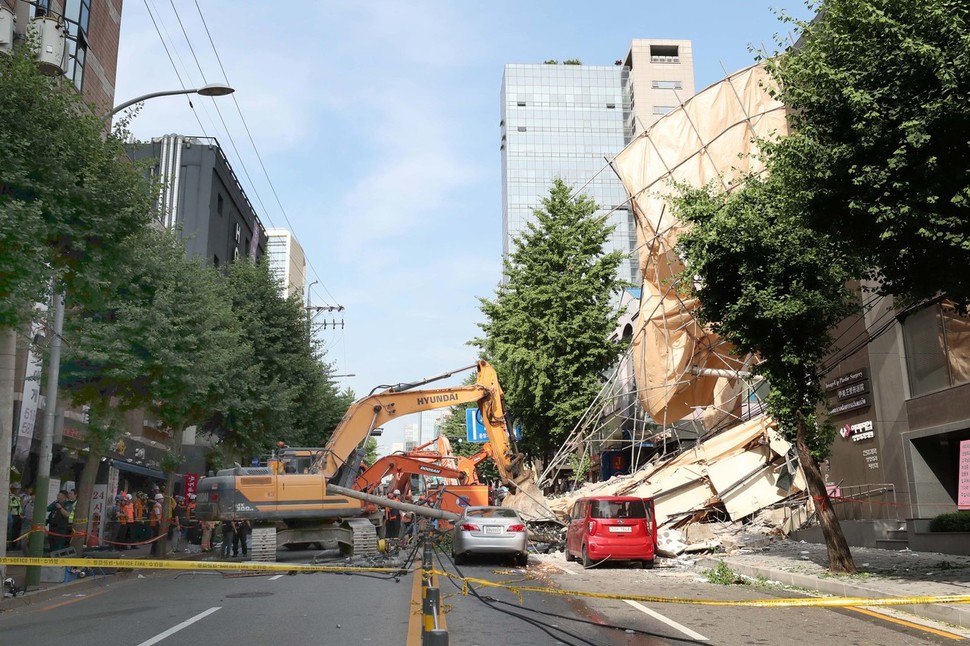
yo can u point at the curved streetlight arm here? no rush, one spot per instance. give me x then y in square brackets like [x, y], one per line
[213, 89]
[141, 98]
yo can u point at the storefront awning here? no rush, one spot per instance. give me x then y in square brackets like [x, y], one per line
[121, 465]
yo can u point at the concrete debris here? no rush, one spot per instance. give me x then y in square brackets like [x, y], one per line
[670, 543]
[739, 489]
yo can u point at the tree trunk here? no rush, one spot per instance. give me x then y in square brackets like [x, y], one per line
[8, 360]
[170, 492]
[82, 510]
[840, 558]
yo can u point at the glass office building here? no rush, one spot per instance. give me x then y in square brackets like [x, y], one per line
[565, 121]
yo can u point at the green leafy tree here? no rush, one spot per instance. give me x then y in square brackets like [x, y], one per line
[68, 201]
[876, 91]
[282, 399]
[197, 354]
[69, 198]
[772, 286]
[162, 337]
[547, 330]
[370, 451]
[101, 363]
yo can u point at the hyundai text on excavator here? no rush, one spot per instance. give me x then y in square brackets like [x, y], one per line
[318, 504]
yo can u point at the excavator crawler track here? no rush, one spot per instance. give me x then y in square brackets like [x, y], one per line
[365, 538]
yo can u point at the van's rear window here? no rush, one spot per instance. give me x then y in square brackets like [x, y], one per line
[618, 509]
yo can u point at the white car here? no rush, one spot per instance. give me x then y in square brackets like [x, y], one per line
[490, 530]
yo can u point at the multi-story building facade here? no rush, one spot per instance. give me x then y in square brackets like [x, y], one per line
[90, 31]
[412, 436]
[661, 77]
[568, 121]
[202, 198]
[899, 395]
[287, 261]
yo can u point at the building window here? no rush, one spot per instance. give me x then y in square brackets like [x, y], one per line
[662, 109]
[937, 349]
[664, 54]
[215, 261]
[667, 85]
[610, 106]
[521, 128]
[219, 203]
[77, 15]
[521, 104]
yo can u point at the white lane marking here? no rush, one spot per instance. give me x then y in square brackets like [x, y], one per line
[174, 629]
[273, 578]
[670, 622]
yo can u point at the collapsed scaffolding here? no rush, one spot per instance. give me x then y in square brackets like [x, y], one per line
[734, 464]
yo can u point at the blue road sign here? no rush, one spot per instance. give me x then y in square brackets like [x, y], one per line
[475, 427]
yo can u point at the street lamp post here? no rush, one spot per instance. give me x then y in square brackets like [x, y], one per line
[212, 89]
[42, 482]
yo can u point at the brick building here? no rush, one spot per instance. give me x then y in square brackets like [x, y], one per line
[90, 29]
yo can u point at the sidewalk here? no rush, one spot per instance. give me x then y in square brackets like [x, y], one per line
[47, 590]
[882, 573]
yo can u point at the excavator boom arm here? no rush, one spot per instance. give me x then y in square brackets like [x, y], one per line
[372, 411]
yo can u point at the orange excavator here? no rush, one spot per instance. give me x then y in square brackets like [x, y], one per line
[457, 481]
[310, 497]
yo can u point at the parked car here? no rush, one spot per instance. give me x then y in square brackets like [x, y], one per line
[490, 530]
[619, 528]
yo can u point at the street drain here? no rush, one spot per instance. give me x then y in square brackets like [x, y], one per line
[249, 595]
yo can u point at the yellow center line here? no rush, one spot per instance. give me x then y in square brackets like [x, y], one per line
[909, 624]
[414, 614]
[416, 618]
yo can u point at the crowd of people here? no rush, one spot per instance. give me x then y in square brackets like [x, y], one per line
[130, 521]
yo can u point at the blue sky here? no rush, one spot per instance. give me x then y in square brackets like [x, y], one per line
[378, 126]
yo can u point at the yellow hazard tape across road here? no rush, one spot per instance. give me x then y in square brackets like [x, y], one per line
[149, 564]
[751, 603]
[254, 566]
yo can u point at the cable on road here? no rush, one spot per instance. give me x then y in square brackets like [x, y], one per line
[544, 627]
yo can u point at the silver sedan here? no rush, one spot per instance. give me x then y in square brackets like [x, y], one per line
[490, 530]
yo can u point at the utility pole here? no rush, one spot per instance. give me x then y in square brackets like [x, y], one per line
[8, 354]
[42, 483]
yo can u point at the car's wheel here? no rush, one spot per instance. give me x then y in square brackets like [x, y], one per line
[569, 555]
[647, 565]
[522, 560]
[587, 563]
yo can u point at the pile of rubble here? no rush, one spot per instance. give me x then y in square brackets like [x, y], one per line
[736, 489]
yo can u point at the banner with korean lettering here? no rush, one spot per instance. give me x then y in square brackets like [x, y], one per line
[191, 483]
[31, 397]
[963, 493]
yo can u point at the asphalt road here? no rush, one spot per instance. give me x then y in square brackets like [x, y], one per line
[212, 609]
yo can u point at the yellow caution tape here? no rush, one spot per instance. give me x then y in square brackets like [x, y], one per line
[253, 566]
[751, 603]
[150, 564]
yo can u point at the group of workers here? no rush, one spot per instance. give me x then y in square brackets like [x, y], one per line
[400, 524]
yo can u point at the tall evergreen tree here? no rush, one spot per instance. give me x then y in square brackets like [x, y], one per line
[547, 330]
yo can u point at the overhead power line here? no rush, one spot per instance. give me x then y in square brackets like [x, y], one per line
[259, 157]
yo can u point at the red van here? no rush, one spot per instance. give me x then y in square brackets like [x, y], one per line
[620, 528]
